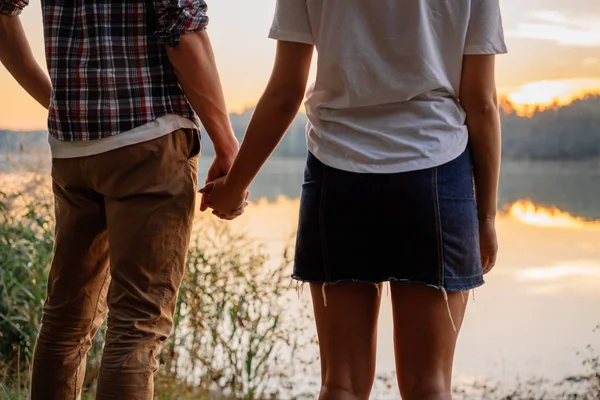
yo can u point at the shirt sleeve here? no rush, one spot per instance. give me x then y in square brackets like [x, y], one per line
[292, 22]
[176, 17]
[485, 34]
[12, 7]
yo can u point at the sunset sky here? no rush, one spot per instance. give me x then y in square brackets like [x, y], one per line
[554, 52]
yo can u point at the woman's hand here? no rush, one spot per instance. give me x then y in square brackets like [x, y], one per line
[218, 169]
[226, 202]
[488, 244]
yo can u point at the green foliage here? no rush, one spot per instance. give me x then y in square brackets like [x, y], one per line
[229, 337]
[228, 340]
[239, 331]
[25, 255]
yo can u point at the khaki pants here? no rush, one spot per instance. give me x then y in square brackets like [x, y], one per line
[123, 223]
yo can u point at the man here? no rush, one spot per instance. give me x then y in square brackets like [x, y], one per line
[124, 141]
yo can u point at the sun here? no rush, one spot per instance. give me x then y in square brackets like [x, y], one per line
[550, 93]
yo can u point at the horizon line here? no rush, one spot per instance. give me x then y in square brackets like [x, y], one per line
[505, 104]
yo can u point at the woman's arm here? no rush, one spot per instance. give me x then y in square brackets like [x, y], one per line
[479, 99]
[274, 113]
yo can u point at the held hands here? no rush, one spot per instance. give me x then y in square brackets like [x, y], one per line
[227, 203]
[215, 194]
[218, 169]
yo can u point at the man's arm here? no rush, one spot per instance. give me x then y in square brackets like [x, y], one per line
[195, 66]
[16, 54]
[181, 25]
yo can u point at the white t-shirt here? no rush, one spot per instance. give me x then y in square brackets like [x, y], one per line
[149, 131]
[388, 76]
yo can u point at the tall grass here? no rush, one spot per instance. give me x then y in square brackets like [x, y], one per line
[239, 332]
[234, 334]
[25, 254]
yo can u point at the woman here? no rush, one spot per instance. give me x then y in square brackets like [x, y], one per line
[403, 126]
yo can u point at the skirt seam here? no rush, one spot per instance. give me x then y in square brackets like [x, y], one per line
[322, 234]
[438, 228]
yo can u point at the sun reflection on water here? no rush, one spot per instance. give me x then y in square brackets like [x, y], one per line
[531, 214]
[559, 271]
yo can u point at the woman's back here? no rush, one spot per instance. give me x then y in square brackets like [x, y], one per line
[388, 77]
[385, 102]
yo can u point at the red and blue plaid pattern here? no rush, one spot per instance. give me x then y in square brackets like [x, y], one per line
[108, 65]
[12, 7]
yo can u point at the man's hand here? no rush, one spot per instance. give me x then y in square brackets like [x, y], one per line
[218, 169]
[488, 244]
[226, 202]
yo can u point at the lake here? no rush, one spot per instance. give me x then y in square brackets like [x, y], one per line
[541, 304]
[572, 186]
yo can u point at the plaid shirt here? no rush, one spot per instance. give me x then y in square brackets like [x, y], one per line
[108, 65]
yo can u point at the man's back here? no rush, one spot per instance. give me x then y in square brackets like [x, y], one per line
[110, 71]
[124, 146]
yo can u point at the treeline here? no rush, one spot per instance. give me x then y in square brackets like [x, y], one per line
[558, 133]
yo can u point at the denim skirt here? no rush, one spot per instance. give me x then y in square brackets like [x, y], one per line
[416, 227]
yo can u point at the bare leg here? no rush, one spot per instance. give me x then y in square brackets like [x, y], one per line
[347, 330]
[425, 339]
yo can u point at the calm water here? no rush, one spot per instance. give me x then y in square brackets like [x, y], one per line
[538, 308]
[573, 187]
